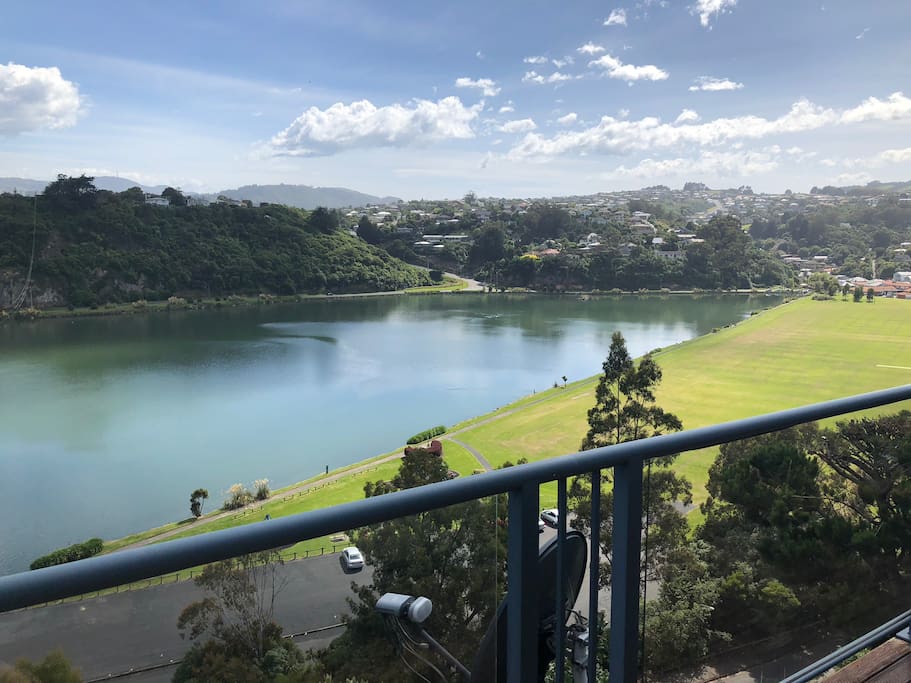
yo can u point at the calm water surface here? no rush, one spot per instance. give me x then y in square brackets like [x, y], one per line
[108, 424]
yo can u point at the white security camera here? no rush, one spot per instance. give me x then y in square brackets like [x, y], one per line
[405, 607]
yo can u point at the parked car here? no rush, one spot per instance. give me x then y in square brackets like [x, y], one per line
[541, 526]
[352, 559]
[550, 517]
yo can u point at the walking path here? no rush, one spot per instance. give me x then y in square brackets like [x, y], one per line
[339, 475]
[471, 449]
[284, 494]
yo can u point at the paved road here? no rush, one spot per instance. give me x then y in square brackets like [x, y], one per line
[136, 629]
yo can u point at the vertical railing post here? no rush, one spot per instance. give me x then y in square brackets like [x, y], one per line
[521, 587]
[625, 554]
[560, 607]
[594, 577]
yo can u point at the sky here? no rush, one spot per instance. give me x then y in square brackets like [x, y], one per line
[524, 98]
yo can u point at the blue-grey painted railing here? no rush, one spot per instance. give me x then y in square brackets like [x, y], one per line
[875, 637]
[520, 482]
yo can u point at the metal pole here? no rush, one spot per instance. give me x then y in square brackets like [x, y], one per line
[625, 553]
[522, 593]
[594, 573]
[560, 607]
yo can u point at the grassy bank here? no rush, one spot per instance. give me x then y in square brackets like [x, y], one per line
[802, 352]
[235, 301]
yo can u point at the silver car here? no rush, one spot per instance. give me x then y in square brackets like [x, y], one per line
[352, 559]
[550, 517]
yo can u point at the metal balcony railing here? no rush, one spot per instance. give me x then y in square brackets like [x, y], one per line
[521, 483]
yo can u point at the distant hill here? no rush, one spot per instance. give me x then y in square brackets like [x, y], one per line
[873, 187]
[300, 196]
[22, 185]
[305, 196]
[111, 183]
[91, 248]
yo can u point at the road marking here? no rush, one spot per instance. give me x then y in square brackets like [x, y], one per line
[895, 367]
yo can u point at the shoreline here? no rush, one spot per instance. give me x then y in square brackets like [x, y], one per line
[238, 301]
[175, 527]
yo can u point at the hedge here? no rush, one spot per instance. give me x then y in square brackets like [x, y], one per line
[78, 551]
[427, 434]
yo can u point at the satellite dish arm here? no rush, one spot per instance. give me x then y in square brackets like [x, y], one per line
[444, 653]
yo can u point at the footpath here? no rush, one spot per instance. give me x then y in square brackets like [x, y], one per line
[318, 483]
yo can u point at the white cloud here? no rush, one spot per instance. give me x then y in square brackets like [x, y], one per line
[706, 9]
[569, 119]
[485, 85]
[616, 136]
[853, 179]
[687, 116]
[560, 63]
[623, 113]
[720, 164]
[555, 77]
[590, 49]
[507, 108]
[860, 35]
[362, 124]
[535, 60]
[896, 156]
[32, 98]
[886, 157]
[896, 106]
[831, 163]
[614, 68]
[518, 126]
[479, 54]
[617, 18]
[715, 84]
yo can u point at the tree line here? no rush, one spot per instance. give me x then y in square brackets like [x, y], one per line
[93, 247]
[502, 253]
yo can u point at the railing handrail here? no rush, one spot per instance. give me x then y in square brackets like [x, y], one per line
[877, 636]
[119, 568]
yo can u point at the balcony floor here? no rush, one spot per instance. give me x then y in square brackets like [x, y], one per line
[888, 663]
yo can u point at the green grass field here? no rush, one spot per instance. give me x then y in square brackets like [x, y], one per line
[799, 353]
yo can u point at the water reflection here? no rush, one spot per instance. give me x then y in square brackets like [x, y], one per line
[134, 412]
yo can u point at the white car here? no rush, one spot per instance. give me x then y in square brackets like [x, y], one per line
[541, 526]
[352, 558]
[550, 517]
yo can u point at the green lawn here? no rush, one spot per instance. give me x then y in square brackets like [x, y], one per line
[459, 459]
[803, 352]
[449, 284]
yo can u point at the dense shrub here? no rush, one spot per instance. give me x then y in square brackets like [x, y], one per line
[238, 496]
[427, 434]
[77, 551]
[261, 487]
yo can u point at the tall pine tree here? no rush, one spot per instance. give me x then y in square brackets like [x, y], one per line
[625, 410]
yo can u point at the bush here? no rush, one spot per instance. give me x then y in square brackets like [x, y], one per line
[77, 551]
[262, 489]
[427, 434]
[237, 498]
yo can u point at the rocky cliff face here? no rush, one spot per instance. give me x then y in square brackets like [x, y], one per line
[38, 296]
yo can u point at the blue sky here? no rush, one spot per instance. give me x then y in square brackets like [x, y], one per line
[431, 99]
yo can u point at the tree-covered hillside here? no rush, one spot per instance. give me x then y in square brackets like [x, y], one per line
[94, 247]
